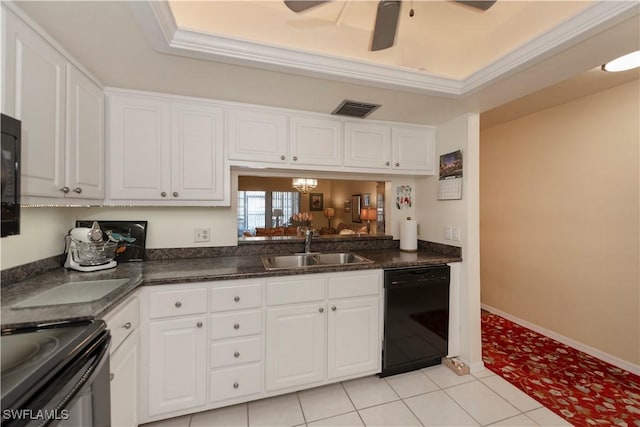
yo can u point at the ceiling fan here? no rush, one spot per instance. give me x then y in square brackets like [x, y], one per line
[384, 31]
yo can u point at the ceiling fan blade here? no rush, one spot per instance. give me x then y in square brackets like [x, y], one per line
[384, 32]
[302, 5]
[479, 4]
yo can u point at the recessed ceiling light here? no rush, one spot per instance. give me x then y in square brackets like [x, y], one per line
[624, 63]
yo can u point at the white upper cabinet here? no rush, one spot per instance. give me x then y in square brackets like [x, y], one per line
[61, 111]
[395, 148]
[255, 135]
[413, 149]
[315, 141]
[165, 151]
[197, 156]
[367, 145]
[85, 136]
[139, 148]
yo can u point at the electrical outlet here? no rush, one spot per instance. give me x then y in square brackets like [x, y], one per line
[201, 235]
[448, 233]
[456, 234]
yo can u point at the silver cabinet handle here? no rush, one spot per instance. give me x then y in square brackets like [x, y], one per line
[236, 298]
[178, 304]
[199, 324]
[236, 385]
[236, 326]
[127, 325]
[334, 308]
[282, 157]
[111, 376]
[65, 190]
[175, 194]
[236, 354]
[321, 310]
[295, 158]
[388, 164]
[397, 164]
[77, 190]
[163, 194]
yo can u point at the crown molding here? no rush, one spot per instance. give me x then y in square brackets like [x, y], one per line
[167, 37]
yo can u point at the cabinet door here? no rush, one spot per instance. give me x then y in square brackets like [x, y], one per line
[257, 136]
[85, 136]
[196, 152]
[139, 148]
[414, 149]
[367, 145]
[124, 383]
[354, 337]
[34, 91]
[295, 345]
[315, 141]
[177, 364]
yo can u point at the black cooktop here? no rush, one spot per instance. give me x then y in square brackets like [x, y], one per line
[32, 356]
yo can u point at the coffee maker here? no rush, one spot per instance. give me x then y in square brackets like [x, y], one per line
[89, 250]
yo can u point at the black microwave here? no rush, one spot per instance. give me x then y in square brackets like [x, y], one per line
[10, 168]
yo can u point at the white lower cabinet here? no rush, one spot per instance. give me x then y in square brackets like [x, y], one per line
[295, 345]
[215, 344]
[177, 364]
[124, 383]
[353, 337]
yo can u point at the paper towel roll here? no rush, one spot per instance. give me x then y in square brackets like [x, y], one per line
[409, 235]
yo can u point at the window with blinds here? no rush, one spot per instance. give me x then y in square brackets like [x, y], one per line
[262, 208]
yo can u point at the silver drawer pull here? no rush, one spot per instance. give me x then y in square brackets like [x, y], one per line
[175, 194]
[236, 299]
[236, 354]
[178, 304]
[321, 310]
[199, 324]
[163, 194]
[397, 164]
[65, 190]
[236, 326]
[77, 190]
[334, 308]
[127, 325]
[236, 385]
[282, 157]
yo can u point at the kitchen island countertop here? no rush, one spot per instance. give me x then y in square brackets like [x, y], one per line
[176, 271]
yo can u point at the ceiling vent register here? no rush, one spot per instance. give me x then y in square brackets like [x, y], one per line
[355, 109]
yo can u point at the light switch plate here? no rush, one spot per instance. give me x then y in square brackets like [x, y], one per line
[456, 234]
[448, 232]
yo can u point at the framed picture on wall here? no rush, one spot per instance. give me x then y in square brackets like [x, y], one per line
[315, 202]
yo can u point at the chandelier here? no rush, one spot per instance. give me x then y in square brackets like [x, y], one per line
[304, 185]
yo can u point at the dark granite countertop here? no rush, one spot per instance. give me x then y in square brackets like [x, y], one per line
[175, 271]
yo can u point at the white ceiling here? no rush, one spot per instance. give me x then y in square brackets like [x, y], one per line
[475, 61]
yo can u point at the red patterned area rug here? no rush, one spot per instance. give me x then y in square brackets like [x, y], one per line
[580, 388]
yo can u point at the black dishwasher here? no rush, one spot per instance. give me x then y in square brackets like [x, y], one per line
[416, 318]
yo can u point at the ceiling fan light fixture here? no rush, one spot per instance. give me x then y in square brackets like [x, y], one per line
[623, 63]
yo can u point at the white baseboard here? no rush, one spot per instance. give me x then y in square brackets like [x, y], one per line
[616, 361]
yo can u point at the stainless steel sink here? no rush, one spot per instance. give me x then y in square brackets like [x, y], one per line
[314, 259]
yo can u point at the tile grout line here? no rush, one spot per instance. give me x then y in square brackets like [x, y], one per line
[304, 418]
[403, 402]
[353, 404]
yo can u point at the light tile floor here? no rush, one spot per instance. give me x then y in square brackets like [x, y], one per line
[433, 396]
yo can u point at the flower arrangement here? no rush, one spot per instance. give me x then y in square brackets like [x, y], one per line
[301, 219]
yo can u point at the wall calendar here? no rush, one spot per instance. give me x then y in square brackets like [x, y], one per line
[450, 183]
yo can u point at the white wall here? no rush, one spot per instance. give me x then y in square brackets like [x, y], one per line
[42, 232]
[461, 133]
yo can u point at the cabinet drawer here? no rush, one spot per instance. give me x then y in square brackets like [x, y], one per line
[298, 290]
[231, 325]
[236, 297]
[178, 302]
[227, 353]
[122, 322]
[234, 382]
[354, 285]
